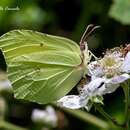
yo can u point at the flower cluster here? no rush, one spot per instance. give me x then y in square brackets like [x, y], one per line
[106, 76]
[47, 116]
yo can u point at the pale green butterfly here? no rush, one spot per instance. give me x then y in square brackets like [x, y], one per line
[43, 68]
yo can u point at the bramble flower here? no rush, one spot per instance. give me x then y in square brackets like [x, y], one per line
[113, 68]
[87, 95]
[5, 84]
[47, 116]
[106, 76]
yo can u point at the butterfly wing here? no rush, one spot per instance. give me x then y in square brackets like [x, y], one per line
[41, 67]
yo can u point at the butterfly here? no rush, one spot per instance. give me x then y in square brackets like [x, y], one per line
[43, 68]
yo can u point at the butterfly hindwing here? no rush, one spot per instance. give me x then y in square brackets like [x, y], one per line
[41, 67]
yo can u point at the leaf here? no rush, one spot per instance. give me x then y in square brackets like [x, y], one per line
[41, 67]
[120, 10]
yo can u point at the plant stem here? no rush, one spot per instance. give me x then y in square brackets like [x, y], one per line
[127, 101]
[88, 118]
[107, 116]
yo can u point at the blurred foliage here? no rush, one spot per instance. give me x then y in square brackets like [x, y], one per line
[69, 19]
[26, 14]
[120, 10]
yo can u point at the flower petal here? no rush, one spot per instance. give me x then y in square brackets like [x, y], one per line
[126, 64]
[72, 102]
[38, 115]
[95, 70]
[5, 85]
[91, 89]
[47, 116]
[109, 88]
[119, 79]
[112, 84]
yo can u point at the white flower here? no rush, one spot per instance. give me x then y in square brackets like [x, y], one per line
[108, 66]
[112, 66]
[87, 93]
[5, 85]
[106, 76]
[47, 116]
[113, 69]
[72, 102]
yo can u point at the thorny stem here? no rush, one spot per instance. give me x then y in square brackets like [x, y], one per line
[107, 116]
[127, 102]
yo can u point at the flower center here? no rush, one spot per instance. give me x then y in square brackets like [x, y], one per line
[108, 61]
[111, 65]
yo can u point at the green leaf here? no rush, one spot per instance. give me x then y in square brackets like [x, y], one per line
[120, 10]
[41, 67]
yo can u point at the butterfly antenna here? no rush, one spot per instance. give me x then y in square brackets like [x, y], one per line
[90, 28]
[86, 31]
